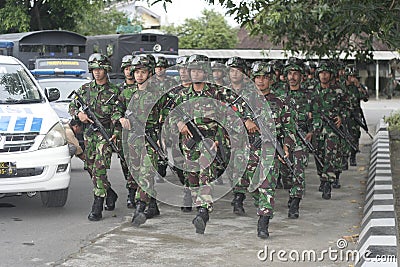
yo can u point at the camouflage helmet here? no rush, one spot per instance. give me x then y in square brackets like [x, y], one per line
[99, 61]
[261, 69]
[126, 62]
[277, 65]
[181, 62]
[312, 65]
[294, 63]
[162, 62]
[351, 70]
[199, 62]
[237, 62]
[142, 62]
[325, 66]
[215, 65]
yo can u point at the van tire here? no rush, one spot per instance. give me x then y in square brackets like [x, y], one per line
[56, 198]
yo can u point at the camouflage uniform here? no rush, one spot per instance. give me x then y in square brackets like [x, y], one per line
[101, 99]
[144, 112]
[167, 83]
[126, 91]
[263, 182]
[354, 95]
[329, 102]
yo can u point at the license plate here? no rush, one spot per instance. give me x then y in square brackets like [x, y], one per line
[8, 169]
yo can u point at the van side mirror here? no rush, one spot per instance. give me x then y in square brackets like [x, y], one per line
[52, 94]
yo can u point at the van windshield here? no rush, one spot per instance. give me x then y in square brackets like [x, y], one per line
[16, 86]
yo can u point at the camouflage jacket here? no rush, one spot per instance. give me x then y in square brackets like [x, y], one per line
[328, 101]
[299, 102]
[284, 120]
[101, 99]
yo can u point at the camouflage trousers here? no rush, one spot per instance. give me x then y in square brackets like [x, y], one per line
[329, 149]
[299, 158]
[264, 195]
[130, 181]
[200, 171]
[242, 183]
[142, 162]
[98, 160]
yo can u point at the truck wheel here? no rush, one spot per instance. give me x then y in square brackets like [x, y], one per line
[56, 198]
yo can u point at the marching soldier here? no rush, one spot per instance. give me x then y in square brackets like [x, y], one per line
[327, 111]
[127, 88]
[100, 96]
[356, 92]
[298, 99]
[264, 194]
[143, 156]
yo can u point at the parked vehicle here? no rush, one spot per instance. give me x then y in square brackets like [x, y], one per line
[34, 155]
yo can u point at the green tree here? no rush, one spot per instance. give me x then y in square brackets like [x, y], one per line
[210, 31]
[101, 20]
[323, 27]
[13, 17]
[82, 16]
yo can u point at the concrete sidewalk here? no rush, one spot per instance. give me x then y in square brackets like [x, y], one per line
[328, 228]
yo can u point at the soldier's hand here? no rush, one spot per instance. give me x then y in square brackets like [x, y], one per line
[83, 117]
[183, 129]
[309, 136]
[251, 126]
[113, 138]
[286, 151]
[338, 121]
[215, 145]
[125, 123]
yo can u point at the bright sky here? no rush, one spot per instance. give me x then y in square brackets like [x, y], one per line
[179, 10]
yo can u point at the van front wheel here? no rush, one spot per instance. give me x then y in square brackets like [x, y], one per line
[56, 198]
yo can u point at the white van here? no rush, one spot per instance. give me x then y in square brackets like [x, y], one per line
[34, 153]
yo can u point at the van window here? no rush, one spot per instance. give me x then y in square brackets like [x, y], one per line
[16, 86]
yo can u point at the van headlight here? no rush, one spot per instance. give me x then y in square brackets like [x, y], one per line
[54, 138]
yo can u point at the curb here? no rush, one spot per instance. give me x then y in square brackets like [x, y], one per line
[377, 244]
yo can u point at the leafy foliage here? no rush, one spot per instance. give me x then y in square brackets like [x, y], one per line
[210, 31]
[82, 16]
[320, 27]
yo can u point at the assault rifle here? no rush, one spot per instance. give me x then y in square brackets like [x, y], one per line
[197, 134]
[308, 144]
[339, 132]
[135, 122]
[96, 122]
[360, 120]
[277, 145]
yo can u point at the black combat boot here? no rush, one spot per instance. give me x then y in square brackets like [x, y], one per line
[237, 203]
[111, 198]
[326, 190]
[294, 208]
[290, 201]
[201, 220]
[152, 211]
[353, 161]
[279, 184]
[187, 200]
[345, 163]
[130, 202]
[139, 217]
[97, 208]
[321, 185]
[336, 184]
[262, 227]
